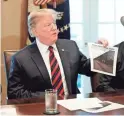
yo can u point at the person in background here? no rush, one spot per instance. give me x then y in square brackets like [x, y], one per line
[48, 62]
[109, 83]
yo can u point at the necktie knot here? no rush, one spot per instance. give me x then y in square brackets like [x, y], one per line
[50, 48]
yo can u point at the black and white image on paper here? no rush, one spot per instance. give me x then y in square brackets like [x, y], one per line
[103, 60]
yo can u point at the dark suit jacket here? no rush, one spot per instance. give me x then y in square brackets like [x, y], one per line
[109, 83]
[29, 76]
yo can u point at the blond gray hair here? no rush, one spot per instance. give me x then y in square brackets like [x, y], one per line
[35, 15]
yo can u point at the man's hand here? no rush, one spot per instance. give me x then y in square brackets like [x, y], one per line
[40, 2]
[104, 42]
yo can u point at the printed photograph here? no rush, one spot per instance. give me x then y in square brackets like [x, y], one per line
[103, 60]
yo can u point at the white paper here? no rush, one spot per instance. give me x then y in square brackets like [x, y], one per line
[7, 111]
[76, 104]
[112, 106]
[103, 60]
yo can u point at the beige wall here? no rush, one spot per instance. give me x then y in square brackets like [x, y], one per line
[10, 32]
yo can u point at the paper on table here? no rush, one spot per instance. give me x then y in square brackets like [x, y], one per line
[76, 104]
[111, 106]
[8, 111]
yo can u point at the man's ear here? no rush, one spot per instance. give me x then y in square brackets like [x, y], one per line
[34, 32]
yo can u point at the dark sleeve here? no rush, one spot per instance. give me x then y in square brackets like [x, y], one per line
[104, 83]
[16, 87]
[84, 64]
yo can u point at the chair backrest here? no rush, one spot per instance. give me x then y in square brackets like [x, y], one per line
[7, 60]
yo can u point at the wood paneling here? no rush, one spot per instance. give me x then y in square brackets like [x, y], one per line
[10, 34]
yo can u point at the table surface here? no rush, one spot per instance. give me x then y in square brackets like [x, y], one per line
[36, 106]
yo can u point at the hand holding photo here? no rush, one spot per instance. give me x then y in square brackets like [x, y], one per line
[103, 59]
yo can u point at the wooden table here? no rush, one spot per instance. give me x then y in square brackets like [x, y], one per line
[36, 106]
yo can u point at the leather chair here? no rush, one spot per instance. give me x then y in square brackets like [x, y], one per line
[7, 60]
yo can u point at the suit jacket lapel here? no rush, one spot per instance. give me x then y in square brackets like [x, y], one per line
[37, 58]
[64, 55]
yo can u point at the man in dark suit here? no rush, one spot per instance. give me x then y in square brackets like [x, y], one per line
[47, 61]
[109, 83]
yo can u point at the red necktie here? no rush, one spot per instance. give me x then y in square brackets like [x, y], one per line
[55, 72]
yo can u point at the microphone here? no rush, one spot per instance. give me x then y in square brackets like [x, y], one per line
[122, 20]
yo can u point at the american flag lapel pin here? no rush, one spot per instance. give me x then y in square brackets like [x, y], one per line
[63, 50]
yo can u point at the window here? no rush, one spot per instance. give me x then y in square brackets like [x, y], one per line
[110, 12]
[93, 19]
[76, 21]
[77, 33]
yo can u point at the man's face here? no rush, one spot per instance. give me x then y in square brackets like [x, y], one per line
[46, 30]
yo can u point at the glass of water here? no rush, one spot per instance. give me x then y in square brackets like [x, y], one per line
[51, 101]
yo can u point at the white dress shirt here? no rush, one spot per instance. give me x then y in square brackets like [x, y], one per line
[45, 54]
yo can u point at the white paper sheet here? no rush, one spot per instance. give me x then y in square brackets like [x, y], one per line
[112, 106]
[76, 104]
[8, 111]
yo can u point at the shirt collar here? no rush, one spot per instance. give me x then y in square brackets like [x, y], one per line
[43, 47]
